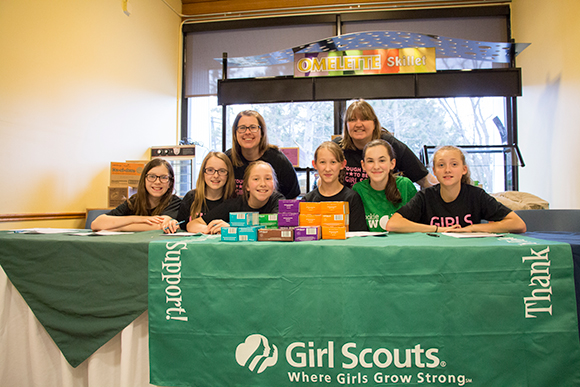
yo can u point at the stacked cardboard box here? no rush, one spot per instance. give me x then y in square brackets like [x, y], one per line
[295, 221]
[330, 218]
[334, 219]
[124, 180]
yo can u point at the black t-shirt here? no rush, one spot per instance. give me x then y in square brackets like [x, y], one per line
[171, 209]
[240, 204]
[357, 220]
[407, 162]
[185, 209]
[471, 206]
[287, 179]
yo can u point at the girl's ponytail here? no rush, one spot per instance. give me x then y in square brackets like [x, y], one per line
[391, 191]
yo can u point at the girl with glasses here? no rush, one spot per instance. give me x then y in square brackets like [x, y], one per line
[260, 195]
[329, 161]
[250, 143]
[215, 183]
[152, 205]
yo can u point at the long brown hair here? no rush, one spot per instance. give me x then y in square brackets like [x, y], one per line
[263, 145]
[139, 202]
[337, 152]
[363, 109]
[391, 191]
[228, 190]
[248, 172]
[465, 179]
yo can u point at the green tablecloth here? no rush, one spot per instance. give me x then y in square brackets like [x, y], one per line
[83, 289]
[403, 309]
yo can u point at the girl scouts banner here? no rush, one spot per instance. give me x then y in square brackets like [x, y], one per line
[381, 61]
[397, 310]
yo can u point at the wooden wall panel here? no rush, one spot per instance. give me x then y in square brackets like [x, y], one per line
[205, 7]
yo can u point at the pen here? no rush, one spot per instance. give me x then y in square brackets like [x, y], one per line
[178, 223]
[433, 235]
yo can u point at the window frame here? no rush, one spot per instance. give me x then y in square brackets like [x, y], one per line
[337, 19]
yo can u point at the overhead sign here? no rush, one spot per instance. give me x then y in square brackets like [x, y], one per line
[362, 62]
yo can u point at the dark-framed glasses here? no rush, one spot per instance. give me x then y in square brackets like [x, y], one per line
[211, 171]
[151, 178]
[253, 128]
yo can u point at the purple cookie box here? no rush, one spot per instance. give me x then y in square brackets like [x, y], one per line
[307, 233]
[286, 219]
[286, 205]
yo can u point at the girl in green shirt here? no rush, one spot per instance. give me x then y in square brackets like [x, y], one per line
[382, 193]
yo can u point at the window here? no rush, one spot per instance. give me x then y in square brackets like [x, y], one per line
[417, 122]
[459, 121]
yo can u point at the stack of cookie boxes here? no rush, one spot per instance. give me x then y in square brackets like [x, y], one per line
[295, 221]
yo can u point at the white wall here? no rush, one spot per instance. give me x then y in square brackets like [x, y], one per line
[549, 110]
[81, 85]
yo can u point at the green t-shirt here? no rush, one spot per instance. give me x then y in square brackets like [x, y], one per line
[378, 209]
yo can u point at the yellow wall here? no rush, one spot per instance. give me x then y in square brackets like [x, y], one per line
[549, 111]
[81, 85]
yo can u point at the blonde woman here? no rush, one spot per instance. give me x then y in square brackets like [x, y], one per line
[361, 126]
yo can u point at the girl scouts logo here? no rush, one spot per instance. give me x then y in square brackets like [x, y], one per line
[256, 351]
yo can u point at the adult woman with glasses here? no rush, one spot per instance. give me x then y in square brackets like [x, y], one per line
[152, 205]
[361, 126]
[250, 143]
[214, 184]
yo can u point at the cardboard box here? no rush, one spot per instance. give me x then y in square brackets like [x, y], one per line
[278, 235]
[310, 208]
[334, 220]
[117, 195]
[292, 154]
[243, 219]
[248, 233]
[268, 220]
[310, 233]
[333, 232]
[289, 206]
[334, 208]
[229, 234]
[286, 219]
[310, 220]
[127, 173]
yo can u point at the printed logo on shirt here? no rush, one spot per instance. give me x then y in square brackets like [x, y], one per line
[354, 175]
[239, 183]
[374, 221]
[448, 221]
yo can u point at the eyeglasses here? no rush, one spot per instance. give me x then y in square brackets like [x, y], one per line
[253, 128]
[151, 178]
[211, 171]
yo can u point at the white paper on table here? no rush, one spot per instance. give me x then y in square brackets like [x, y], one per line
[471, 234]
[351, 234]
[44, 231]
[205, 237]
[181, 234]
[101, 233]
